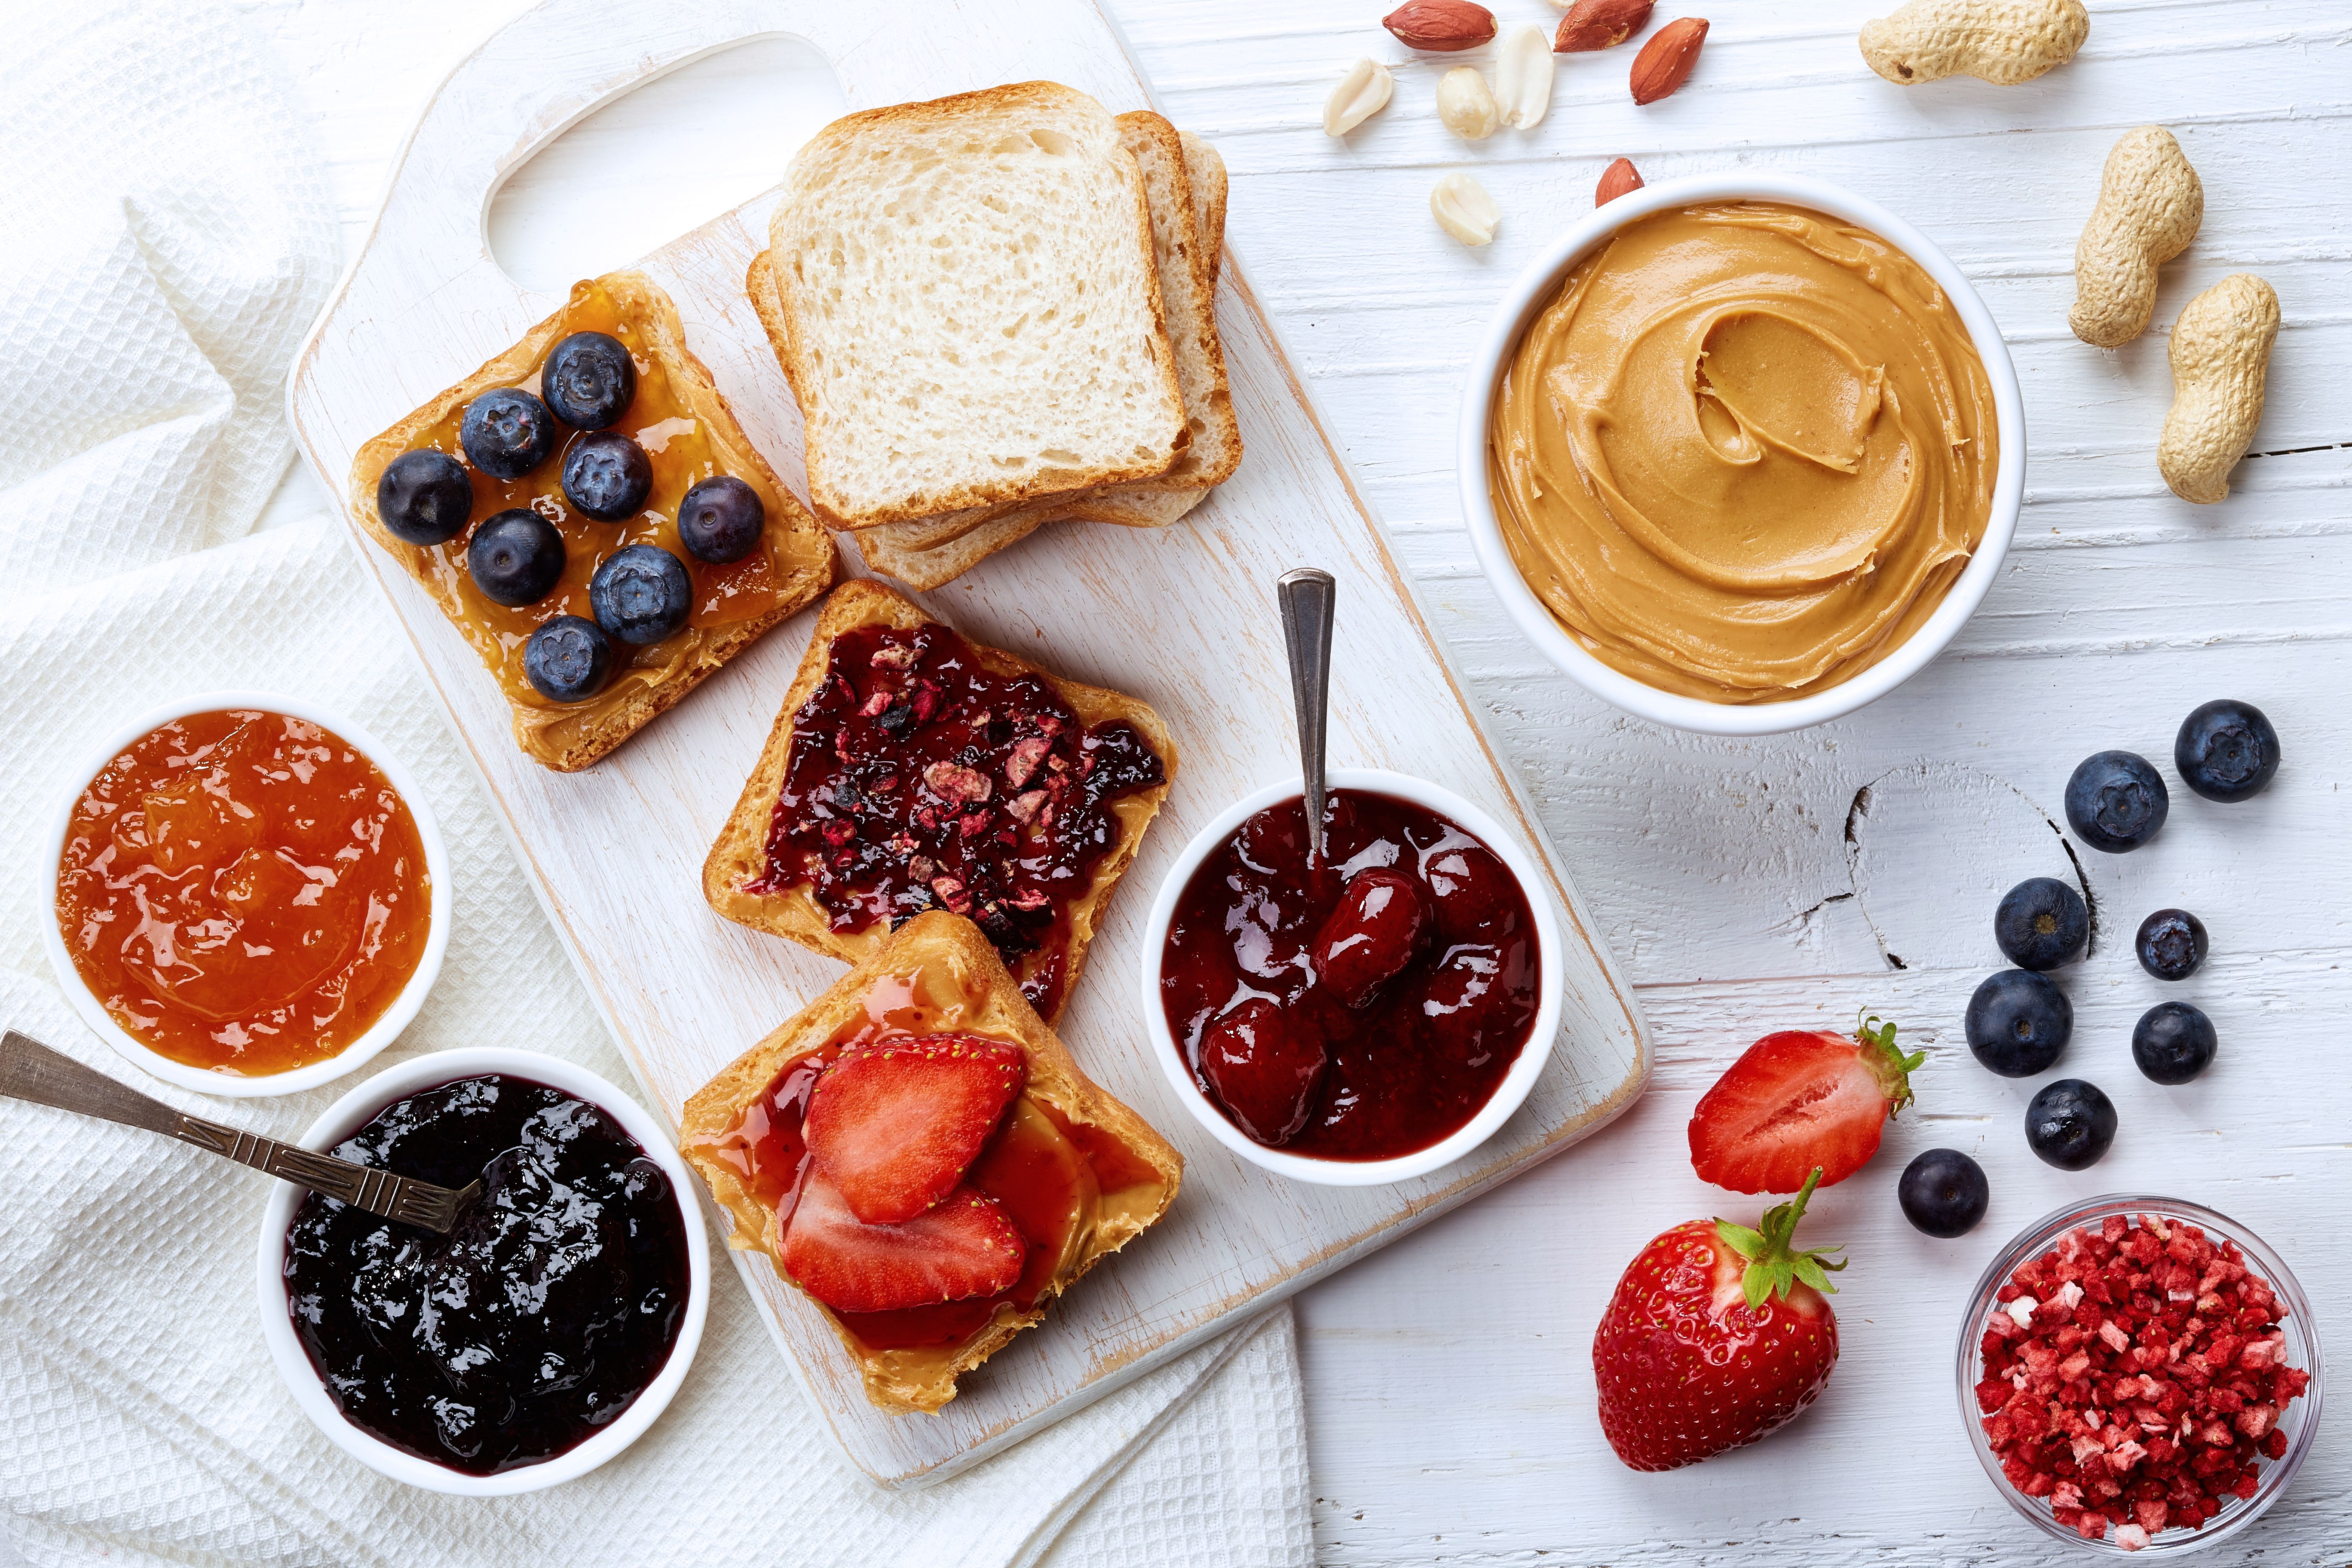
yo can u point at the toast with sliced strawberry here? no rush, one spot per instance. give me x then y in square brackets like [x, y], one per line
[921, 1158]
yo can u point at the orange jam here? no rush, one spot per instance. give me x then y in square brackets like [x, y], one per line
[1050, 1174]
[243, 891]
[680, 447]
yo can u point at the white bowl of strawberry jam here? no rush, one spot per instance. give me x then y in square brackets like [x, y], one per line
[1372, 1017]
[249, 894]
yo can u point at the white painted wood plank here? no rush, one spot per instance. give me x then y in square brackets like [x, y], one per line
[1450, 1396]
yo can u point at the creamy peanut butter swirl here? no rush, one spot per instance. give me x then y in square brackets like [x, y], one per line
[1745, 452]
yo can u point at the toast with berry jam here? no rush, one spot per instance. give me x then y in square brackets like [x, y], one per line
[662, 442]
[910, 770]
[917, 1153]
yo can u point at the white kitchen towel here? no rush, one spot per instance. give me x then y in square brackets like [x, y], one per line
[141, 1418]
[165, 243]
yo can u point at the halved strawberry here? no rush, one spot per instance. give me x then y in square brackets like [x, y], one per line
[1798, 1100]
[896, 1125]
[967, 1245]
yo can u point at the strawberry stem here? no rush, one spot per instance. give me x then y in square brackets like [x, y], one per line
[1889, 1066]
[1774, 1268]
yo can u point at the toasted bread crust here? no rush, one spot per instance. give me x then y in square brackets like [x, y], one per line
[567, 739]
[1206, 168]
[934, 939]
[787, 336]
[924, 570]
[739, 854]
[1187, 244]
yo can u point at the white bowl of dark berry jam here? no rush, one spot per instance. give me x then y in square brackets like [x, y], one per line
[598, 1270]
[1367, 1019]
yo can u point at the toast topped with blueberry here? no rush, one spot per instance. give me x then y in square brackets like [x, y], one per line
[910, 770]
[591, 516]
[919, 1154]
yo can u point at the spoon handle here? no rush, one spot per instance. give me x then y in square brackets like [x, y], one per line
[1308, 594]
[30, 1070]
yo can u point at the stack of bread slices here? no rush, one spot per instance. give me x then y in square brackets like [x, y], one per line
[997, 310]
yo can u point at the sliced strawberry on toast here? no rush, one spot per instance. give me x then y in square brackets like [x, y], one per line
[894, 1125]
[967, 1245]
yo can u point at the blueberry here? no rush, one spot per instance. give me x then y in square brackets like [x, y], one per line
[2226, 750]
[516, 557]
[2017, 1022]
[425, 497]
[641, 593]
[2070, 1124]
[1942, 1193]
[506, 433]
[568, 659]
[2171, 944]
[607, 476]
[2115, 802]
[2173, 1042]
[2041, 924]
[720, 519]
[590, 380]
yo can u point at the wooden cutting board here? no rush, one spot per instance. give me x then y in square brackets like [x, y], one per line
[1182, 616]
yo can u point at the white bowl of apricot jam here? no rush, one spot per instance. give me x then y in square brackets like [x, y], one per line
[1366, 1017]
[249, 894]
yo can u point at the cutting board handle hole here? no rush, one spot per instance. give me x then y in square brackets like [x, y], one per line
[663, 158]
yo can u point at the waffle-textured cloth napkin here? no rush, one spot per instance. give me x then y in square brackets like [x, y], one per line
[166, 242]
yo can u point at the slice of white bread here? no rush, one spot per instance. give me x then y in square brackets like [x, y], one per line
[932, 551]
[1206, 166]
[970, 307]
[924, 570]
[1183, 246]
[1188, 237]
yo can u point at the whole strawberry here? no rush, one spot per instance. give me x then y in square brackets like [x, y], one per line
[1716, 1335]
[1798, 1100]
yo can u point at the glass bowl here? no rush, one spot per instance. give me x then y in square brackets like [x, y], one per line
[2299, 1420]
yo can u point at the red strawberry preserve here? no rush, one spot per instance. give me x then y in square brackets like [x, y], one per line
[920, 779]
[1363, 1007]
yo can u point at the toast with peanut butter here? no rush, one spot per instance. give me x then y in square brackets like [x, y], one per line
[910, 770]
[657, 477]
[917, 1153]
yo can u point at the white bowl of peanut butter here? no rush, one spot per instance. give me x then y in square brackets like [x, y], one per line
[1740, 453]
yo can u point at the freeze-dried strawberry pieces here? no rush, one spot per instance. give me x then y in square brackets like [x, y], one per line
[2134, 1375]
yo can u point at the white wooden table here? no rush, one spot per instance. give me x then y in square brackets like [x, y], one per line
[1756, 884]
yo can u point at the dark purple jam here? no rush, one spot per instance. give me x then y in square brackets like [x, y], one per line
[534, 1323]
[919, 779]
